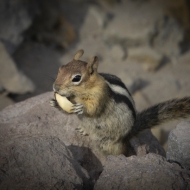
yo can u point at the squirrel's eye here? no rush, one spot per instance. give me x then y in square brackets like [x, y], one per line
[76, 78]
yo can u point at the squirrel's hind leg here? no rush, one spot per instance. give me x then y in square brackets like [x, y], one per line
[81, 131]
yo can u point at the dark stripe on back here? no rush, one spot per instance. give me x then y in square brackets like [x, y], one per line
[119, 98]
[112, 79]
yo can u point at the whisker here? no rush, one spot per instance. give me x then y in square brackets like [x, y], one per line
[52, 79]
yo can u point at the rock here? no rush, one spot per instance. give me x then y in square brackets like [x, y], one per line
[162, 132]
[117, 53]
[16, 16]
[141, 101]
[179, 144]
[135, 84]
[147, 172]
[149, 26]
[168, 38]
[158, 133]
[128, 24]
[92, 26]
[5, 101]
[34, 117]
[185, 58]
[11, 78]
[44, 31]
[39, 20]
[101, 18]
[35, 162]
[141, 144]
[150, 58]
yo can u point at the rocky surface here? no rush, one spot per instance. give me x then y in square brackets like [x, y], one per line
[179, 144]
[5, 101]
[130, 26]
[36, 139]
[23, 21]
[168, 28]
[146, 172]
[109, 32]
[141, 144]
[39, 162]
[51, 26]
[39, 145]
[15, 18]
[34, 121]
[11, 79]
[150, 58]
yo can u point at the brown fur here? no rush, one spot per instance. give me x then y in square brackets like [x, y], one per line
[92, 96]
[89, 92]
[108, 122]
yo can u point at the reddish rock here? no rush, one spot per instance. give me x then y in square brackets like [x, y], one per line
[33, 125]
[147, 172]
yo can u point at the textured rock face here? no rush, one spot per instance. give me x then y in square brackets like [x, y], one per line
[154, 29]
[16, 16]
[33, 123]
[170, 35]
[11, 78]
[136, 29]
[147, 172]
[29, 162]
[179, 144]
[35, 118]
[39, 148]
[150, 58]
[146, 143]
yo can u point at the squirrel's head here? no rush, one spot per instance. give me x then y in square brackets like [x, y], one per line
[76, 76]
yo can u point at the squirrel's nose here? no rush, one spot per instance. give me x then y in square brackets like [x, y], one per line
[56, 87]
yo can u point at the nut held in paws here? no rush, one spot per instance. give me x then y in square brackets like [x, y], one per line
[64, 103]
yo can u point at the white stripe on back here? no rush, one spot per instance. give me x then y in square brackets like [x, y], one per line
[122, 91]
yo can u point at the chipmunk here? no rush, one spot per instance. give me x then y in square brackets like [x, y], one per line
[105, 107]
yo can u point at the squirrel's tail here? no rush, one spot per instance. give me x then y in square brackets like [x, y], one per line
[160, 113]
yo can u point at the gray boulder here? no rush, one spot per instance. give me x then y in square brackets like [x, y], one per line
[146, 55]
[11, 79]
[145, 25]
[16, 16]
[128, 24]
[35, 118]
[179, 144]
[38, 162]
[145, 143]
[169, 36]
[141, 173]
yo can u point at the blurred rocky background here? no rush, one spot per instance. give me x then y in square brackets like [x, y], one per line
[144, 42]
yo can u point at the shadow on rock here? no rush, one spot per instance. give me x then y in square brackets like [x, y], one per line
[88, 160]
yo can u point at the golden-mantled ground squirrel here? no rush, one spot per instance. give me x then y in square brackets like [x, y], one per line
[105, 107]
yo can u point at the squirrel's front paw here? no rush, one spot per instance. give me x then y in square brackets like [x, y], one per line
[53, 103]
[77, 108]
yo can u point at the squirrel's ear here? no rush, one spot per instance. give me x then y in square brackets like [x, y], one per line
[78, 54]
[93, 65]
